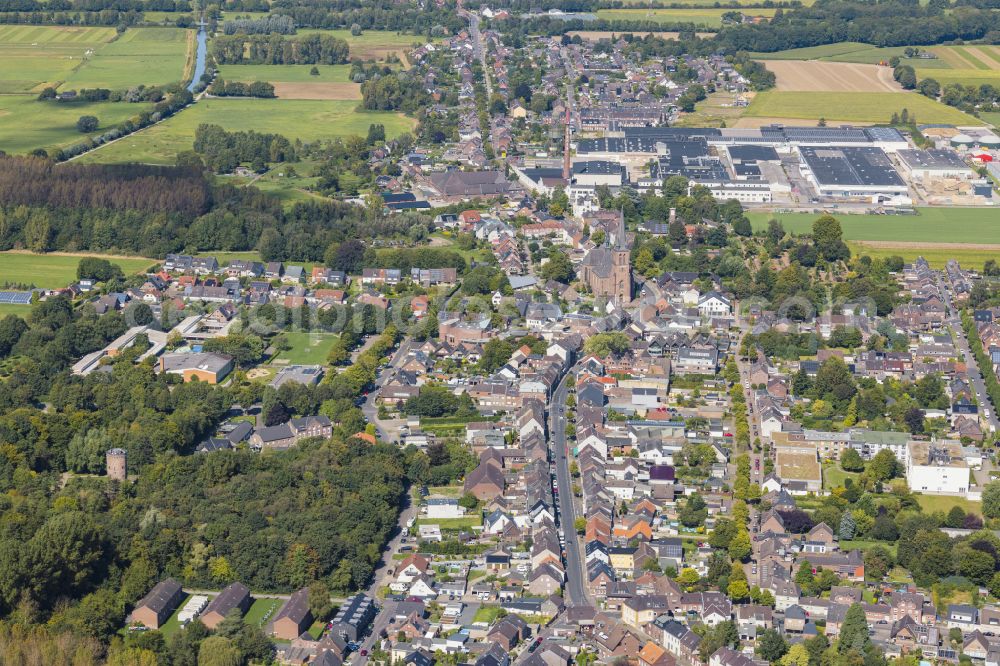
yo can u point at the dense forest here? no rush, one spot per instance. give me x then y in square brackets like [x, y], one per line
[892, 23]
[425, 20]
[152, 211]
[313, 49]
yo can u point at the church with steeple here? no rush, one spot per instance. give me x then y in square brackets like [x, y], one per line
[607, 270]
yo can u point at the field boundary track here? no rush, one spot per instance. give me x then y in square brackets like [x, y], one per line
[923, 245]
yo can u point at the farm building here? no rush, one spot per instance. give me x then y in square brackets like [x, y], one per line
[234, 596]
[154, 609]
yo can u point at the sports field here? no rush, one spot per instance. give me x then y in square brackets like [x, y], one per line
[153, 56]
[26, 124]
[296, 119]
[871, 107]
[819, 76]
[708, 16]
[930, 225]
[307, 348]
[53, 271]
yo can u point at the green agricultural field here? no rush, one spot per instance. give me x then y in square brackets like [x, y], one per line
[26, 124]
[286, 73]
[153, 56]
[930, 225]
[709, 17]
[34, 56]
[53, 271]
[873, 107]
[307, 348]
[937, 257]
[993, 118]
[297, 119]
[19, 310]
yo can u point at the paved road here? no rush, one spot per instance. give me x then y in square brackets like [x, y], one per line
[576, 588]
[369, 408]
[972, 368]
[409, 511]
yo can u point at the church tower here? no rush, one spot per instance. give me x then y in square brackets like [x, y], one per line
[621, 261]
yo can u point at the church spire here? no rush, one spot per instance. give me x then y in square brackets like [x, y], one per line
[621, 242]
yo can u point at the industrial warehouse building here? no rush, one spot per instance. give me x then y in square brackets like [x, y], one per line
[852, 171]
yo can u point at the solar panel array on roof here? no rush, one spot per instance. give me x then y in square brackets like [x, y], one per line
[671, 133]
[752, 154]
[825, 134]
[851, 165]
[884, 134]
[15, 297]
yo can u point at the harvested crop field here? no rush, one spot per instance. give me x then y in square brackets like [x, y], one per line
[332, 91]
[818, 76]
[870, 107]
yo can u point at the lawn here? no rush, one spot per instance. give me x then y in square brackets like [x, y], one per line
[834, 476]
[308, 348]
[487, 614]
[463, 523]
[26, 124]
[869, 107]
[286, 73]
[54, 271]
[944, 503]
[307, 120]
[33, 56]
[709, 17]
[864, 544]
[930, 225]
[262, 611]
[153, 56]
[172, 625]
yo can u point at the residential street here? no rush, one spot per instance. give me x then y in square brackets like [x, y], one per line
[370, 409]
[972, 368]
[575, 573]
[384, 570]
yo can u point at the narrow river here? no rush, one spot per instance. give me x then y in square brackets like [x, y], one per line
[199, 61]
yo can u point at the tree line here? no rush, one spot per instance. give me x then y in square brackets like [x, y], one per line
[266, 25]
[261, 89]
[313, 49]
